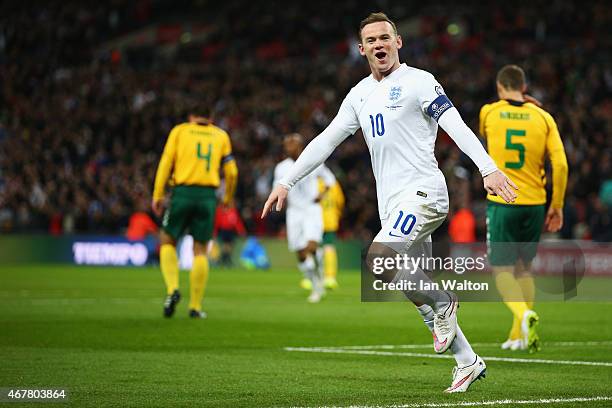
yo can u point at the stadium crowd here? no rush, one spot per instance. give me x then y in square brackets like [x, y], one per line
[82, 127]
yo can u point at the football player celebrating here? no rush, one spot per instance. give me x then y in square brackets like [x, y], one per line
[399, 109]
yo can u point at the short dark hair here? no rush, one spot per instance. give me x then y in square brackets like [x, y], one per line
[294, 136]
[375, 18]
[512, 77]
[190, 105]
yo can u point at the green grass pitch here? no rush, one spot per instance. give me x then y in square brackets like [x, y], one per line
[99, 332]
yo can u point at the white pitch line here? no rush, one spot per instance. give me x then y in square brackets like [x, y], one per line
[423, 355]
[496, 345]
[579, 343]
[541, 401]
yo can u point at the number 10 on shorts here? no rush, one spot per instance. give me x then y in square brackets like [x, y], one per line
[403, 224]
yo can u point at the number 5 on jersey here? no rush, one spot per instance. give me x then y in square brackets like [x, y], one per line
[519, 147]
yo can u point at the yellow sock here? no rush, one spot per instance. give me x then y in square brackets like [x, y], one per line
[528, 287]
[169, 266]
[330, 262]
[197, 282]
[515, 332]
[511, 292]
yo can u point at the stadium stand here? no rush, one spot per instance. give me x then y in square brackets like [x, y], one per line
[89, 93]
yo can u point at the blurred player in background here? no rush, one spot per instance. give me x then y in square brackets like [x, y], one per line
[332, 204]
[304, 216]
[227, 226]
[398, 109]
[193, 155]
[520, 135]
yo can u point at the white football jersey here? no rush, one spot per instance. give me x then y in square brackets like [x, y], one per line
[306, 191]
[399, 119]
[400, 135]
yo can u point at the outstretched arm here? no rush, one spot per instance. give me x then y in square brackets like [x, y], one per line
[495, 182]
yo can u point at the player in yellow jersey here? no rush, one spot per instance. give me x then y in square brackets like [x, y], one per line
[520, 135]
[193, 155]
[332, 204]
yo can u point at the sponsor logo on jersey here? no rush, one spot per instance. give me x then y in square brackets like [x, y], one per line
[439, 90]
[395, 93]
[394, 107]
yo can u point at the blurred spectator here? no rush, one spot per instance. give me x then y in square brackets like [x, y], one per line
[227, 226]
[462, 226]
[600, 221]
[141, 224]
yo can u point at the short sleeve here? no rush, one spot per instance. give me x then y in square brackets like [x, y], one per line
[432, 98]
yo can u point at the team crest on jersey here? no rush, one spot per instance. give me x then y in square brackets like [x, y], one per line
[395, 93]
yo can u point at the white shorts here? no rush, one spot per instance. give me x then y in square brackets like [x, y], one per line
[303, 225]
[409, 225]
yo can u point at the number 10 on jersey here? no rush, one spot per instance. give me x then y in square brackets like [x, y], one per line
[378, 125]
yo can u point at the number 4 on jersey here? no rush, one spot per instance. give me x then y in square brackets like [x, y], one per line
[205, 156]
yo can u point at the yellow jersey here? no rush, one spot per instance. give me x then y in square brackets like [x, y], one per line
[332, 205]
[194, 154]
[519, 137]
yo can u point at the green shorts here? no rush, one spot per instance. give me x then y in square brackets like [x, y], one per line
[329, 238]
[191, 210]
[513, 232]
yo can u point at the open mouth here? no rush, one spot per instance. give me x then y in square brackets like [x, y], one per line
[380, 55]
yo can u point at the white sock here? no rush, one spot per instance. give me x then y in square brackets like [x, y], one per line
[437, 299]
[428, 315]
[320, 265]
[461, 348]
[309, 269]
[306, 267]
